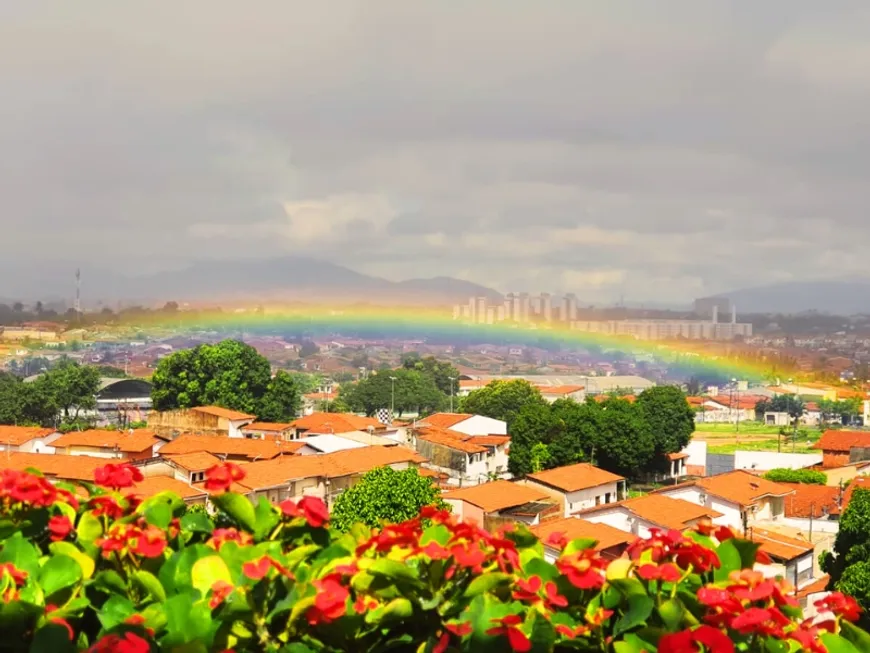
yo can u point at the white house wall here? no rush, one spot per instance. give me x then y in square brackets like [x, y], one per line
[697, 450]
[583, 499]
[767, 460]
[480, 425]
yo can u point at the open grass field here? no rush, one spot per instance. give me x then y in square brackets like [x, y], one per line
[752, 436]
[750, 428]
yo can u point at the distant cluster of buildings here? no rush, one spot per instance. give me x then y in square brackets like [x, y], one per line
[520, 308]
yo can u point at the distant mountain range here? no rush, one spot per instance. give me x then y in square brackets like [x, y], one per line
[282, 279]
[835, 297]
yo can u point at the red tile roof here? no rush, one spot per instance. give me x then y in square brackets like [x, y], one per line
[778, 546]
[136, 442]
[739, 486]
[441, 437]
[444, 420]
[335, 423]
[226, 413]
[842, 441]
[72, 468]
[659, 509]
[224, 446]
[152, 485]
[561, 390]
[818, 585]
[497, 495]
[574, 529]
[195, 462]
[815, 500]
[267, 426]
[861, 482]
[18, 435]
[572, 478]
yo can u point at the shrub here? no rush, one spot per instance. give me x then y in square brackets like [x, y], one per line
[808, 476]
[86, 567]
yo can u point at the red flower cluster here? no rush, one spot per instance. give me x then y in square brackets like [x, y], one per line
[147, 541]
[128, 643]
[221, 535]
[583, 569]
[509, 627]
[674, 545]
[312, 509]
[221, 477]
[117, 476]
[18, 577]
[26, 489]
[59, 526]
[330, 603]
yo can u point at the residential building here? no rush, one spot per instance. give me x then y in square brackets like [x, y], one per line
[643, 329]
[54, 466]
[742, 498]
[470, 459]
[268, 431]
[837, 447]
[812, 501]
[673, 468]
[139, 444]
[641, 514]
[188, 468]
[465, 423]
[208, 420]
[489, 504]
[553, 393]
[327, 443]
[579, 486]
[152, 485]
[795, 555]
[323, 423]
[232, 449]
[611, 542]
[30, 439]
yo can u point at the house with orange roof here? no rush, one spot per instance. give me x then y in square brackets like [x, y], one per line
[231, 449]
[579, 486]
[742, 497]
[268, 431]
[501, 501]
[807, 501]
[837, 446]
[54, 466]
[641, 514]
[152, 485]
[465, 423]
[794, 555]
[187, 468]
[28, 439]
[336, 423]
[139, 444]
[325, 476]
[611, 542]
[470, 459]
[208, 420]
[553, 393]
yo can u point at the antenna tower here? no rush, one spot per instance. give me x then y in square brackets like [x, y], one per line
[78, 304]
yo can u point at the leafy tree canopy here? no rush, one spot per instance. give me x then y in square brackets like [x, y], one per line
[385, 494]
[808, 476]
[502, 400]
[849, 563]
[411, 391]
[281, 402]
[670, 418]
[446, 376]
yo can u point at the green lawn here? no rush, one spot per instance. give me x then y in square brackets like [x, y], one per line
[801, 446]
[750, 428]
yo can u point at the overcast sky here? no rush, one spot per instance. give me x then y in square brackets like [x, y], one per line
[656, 150]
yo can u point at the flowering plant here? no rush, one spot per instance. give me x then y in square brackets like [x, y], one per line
[94, 567]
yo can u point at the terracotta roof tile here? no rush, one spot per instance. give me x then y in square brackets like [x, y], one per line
[574, 529]
[267, 426]
[225, 446]
[195, 462]
[226, 413]
[572, 478]
[72, 468]
[136, 442]
[444, 420]
[659, 509]
[818, 585]
[818, 500]
[489, 440]
[842, 441]
[560, 390]
[152, 485]
[778, 546]
[440, 437]
[18, 435]
[739, 486]
[335, 423]
[497, 495]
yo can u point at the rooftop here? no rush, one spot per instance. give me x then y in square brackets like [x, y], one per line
[497, 495]
[198, 461]
[136, 442]
[226, 413]
[572, 478]
[450, 440]
[659, 509]
[152, 485]
[225, 446]
[444, 420]
[267, 426]
[330, 443]
[335, 423]
[842, 441]
[740, 487]
[71, 468]
[18, 435]
[575, 529]
[778, 546]
[816, 500]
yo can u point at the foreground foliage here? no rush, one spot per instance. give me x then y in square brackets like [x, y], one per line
[88, 568]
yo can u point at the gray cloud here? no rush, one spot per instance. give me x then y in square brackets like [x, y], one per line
[652, 150]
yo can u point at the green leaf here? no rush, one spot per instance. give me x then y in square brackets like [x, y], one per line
[238, 507]
[21, 553]
[115, 611]
[836, 644]
[51, 638]
[159, 515]
[59, 572]
[175, 573]
[855, 635]
[747, 551]
[631, 643]
[69, 549]
[149, 583]
[580, 544]
[267, 518]
[487, 583]
[392, 570]
[730, 560]
[110, 581]
[197, 522]
[671, 612]
[89, 527]
[395, 610]
[207, 571]
[542, 568]
[639, 610]
[629, 587]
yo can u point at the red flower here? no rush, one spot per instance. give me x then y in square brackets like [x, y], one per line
[219, 592]
[554, 599]
[149, 543]
[289, 509]
[116, 538]
[129, 643]
[257, 570]
[807, 636]
[508, 627]
[582, 569]
[556, 541]
[841, 605]
[571, 633]
[687, 641]
[221, 535]
[766, 621]
[724, 533]
[667, 572]
[364, 604]
[435, 514]
[527, 590]
[106, 505]
[117, 476]
[59, 621]
[59, 526]
[460, 629]
[435, 551]
[221, 477]
[468, 554]
[314, 510]
[26, 488]
[331, 600]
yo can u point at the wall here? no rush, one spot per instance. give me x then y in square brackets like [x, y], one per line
[697, 450]
[480, 425]
[174, 422]
[618, 517]
[819, 525]
[580, 500]
[467, 511]
[40, 445]
[767, 460]
[835, 459]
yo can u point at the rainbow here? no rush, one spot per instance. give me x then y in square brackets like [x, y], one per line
[374, 323]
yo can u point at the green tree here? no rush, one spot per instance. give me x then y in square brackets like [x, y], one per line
[541, 458]
[624, 442]
[307, 349]
[446, 376]
[411, 391]
[578, 428]
[282, 400]
[808, 476]
[26, 404]
[670, 419]
[501, 399]
[531, 428]
[73, 386]
[385, 495]
[849, 563]
[229, 374]
[693, 386]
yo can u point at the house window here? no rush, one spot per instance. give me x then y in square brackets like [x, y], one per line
[607, 497]
[598, 500]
